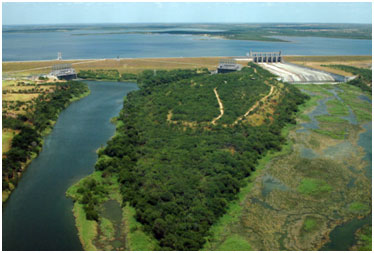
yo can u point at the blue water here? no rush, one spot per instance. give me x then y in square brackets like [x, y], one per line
[321, 109]
[364, 98]
[38, 216]
[44, 45]
[270, 183]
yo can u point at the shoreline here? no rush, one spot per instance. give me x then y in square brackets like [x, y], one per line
[7, 193]
[171, 57]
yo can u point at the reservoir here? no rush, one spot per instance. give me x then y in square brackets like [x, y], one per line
[82, 44]
[38, 216]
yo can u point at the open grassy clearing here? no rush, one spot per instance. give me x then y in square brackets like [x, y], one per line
[19, 97]
[317, 61]
[135, 65]
[7, 135]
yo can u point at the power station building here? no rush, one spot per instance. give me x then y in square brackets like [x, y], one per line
[63, 72]
[228, 65]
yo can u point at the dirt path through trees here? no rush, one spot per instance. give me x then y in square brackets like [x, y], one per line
[221, 109]
[255, 105]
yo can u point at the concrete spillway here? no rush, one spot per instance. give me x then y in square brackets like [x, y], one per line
[292, 73]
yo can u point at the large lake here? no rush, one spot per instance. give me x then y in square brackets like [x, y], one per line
[37, 215]
[22, 46]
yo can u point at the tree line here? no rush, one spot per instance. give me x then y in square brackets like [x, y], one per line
[106, 74]
[364, 79]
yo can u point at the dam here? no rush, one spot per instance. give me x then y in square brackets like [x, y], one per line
[266, 56]
[291, 73]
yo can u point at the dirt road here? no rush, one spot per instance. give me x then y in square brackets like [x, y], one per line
[221, 109]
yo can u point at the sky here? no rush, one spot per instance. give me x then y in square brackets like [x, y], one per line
[184, 12]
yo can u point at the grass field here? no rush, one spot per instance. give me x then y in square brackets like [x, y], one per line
[122, 65]
[136, 65]
[317, 61]
[7, 135]
[19, 97]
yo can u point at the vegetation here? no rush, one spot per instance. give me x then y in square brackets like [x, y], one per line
[352, 98]
[178, 177]
[309, 224]
[128, 77]
[328, 59]
[331, 119]
[364, 238]
[88, 228]
[302, 219]
[100, 74]
[337, 108]
[235, 243]
[364, 79]
[313, 186]
[32, 125]
[219, 230]
[358, 207]
[96, 228]
[137, 240]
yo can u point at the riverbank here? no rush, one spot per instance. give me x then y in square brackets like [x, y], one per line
[101, 234]
[6, 193]
[38, 207]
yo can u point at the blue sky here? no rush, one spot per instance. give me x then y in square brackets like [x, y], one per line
[66, 13]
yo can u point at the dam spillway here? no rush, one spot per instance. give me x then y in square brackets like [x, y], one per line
[292, 73]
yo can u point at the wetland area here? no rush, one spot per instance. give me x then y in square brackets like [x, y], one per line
[316, 193]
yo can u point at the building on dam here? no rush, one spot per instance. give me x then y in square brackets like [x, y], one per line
[63, 72]
[228, 65]
[266, 56]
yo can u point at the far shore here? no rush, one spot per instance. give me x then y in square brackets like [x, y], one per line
[180, 57]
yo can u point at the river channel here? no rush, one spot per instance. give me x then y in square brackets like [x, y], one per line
[38, 216]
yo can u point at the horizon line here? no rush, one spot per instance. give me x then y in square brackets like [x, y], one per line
[121, 23]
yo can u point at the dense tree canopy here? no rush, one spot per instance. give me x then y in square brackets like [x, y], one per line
[180, 177]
